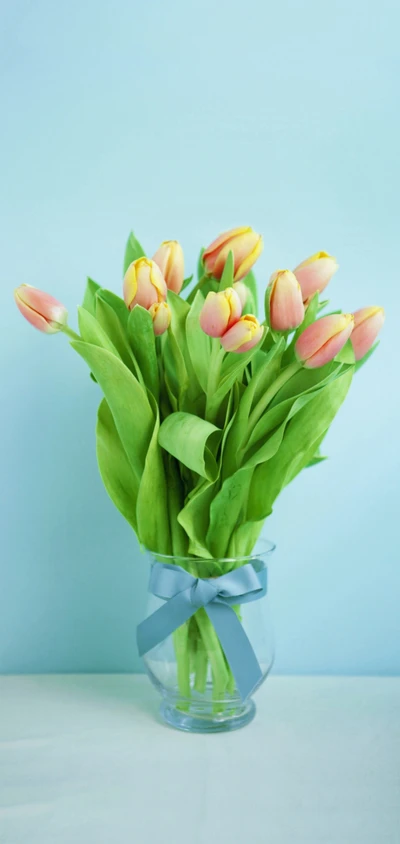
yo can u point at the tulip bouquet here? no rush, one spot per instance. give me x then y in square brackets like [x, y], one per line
[208, 412]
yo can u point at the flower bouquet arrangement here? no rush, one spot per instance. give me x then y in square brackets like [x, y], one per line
[208, 412]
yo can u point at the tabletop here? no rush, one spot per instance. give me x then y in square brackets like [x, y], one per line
[85, 758]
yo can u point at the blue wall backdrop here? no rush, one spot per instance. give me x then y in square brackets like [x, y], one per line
[181, 120]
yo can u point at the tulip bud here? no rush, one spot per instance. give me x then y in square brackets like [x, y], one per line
[322, 340]
[286, 307]
[161, 315]
[40, 309]
[144, 284]
[245, 334]
[246, 246]
[315, 273]
[242, 291]
[367, 325]
[169, 258]
[220, 311]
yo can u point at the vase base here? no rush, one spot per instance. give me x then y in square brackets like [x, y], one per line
[197, 723]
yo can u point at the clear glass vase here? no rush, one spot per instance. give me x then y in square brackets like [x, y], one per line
[189, 667]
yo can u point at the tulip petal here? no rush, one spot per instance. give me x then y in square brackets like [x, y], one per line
[367, 325]
[215, 315]
[329, 350]
[315, 273]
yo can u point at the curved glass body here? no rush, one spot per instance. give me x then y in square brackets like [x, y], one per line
[189, 667]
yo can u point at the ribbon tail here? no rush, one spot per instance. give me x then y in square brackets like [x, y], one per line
[237, 647]
[164, 621]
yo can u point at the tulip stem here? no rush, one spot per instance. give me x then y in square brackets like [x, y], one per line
[214, 372]
[285, 375]
[201, 282]
[70, 333]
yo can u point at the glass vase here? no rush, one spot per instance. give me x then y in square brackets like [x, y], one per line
[189, 667]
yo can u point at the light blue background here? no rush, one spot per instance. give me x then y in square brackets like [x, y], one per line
[182, 120]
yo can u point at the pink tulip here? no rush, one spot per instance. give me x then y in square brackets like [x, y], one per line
[322, 340]
[220, 311]
[144, 284]
[161, 315]
[246, 246]
[169, 258]
[315, 273]
[245, 334]
[286, 302]
[40, 309]
[367, 325]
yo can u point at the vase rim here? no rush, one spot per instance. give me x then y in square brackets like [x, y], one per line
[264, 548]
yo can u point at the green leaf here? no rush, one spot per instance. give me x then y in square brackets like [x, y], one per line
[195, 517]
[186, 437]
[228, 271]
[199, 344]
[302, 437]
[116, 303]
[92, 332]
[89, 296]
[251, 306]
[128, 402]
[179, 538]
[116, 472]
[186, 282]
[133, 251]
[110, 322]
[231, 371]
[200, 265]
[143, 343]
[317, 458]
[258, 385]
[226, 510]
[152, 507]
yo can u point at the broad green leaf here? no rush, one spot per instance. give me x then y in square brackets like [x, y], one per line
[232, 370]
[190, 439]
[127, 400]
[244, 538]
[228, 271]
[257, 453]
[152, 506]
[92, 332]
[199, 344]
[115, 469]
[143, 343]
[227, 508]
[195, 517]
[89, 296]
[175, 497]
[133, 251]
[307, 379]
[113, 327]
[116, 303]
[302, 437]
[238, 434]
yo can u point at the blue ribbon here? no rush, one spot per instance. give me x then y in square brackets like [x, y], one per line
[184, 594]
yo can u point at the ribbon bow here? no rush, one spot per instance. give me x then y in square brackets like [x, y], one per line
[184, 594]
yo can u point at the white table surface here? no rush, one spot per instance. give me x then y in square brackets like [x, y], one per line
[84, 759]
